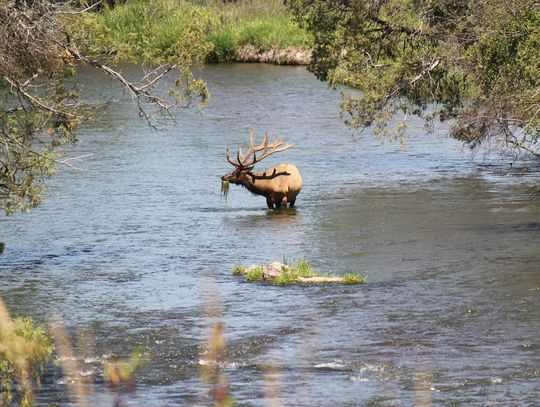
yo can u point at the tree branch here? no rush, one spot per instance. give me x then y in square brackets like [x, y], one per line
[34, 100]
[66, 162]
[137, 92]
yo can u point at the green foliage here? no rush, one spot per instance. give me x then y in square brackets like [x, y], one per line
[37, 117]
[473, 63]
[351, 278]
[238, 270]
[290, 275]
[144, 31]
[224, 45]
[254, 273]
[294, 272]
[24, 351]
[39, 113]
[167, 32]
[25, 166]
[266, 31]
[225, 189]
[303, 267]
[262, 24]
[141, 30]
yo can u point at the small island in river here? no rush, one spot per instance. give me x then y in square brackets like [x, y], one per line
[300, 272]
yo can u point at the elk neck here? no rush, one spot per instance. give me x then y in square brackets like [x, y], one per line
[253, 185]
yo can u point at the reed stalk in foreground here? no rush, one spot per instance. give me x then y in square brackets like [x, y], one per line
[214, 351]
[69, 365]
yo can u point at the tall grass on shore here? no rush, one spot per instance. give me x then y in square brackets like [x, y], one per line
[145, 30]
[261, 24]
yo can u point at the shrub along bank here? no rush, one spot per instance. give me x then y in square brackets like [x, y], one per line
[245, 30]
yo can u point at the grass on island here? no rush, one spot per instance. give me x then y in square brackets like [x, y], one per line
[255, 273]
[301, 268]
[238, 270]
[294, 273]
[352, 278]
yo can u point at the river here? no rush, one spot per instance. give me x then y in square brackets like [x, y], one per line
[136, 250]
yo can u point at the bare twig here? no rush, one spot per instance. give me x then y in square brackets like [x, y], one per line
[69, 364]
[137, 93]
[66, 162]
[521, 145]
[21, 90]
[84, 10]
[425, 71]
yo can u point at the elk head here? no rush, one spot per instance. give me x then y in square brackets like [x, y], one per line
[279, 185]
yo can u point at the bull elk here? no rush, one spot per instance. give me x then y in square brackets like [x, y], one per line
[279, 185]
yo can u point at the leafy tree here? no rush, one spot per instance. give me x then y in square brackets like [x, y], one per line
[474, 64]
[41, 42]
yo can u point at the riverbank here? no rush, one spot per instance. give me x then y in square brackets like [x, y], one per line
[273, 55]
[254, 31]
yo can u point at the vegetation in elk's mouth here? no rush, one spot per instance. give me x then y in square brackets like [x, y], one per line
[224, 189]
[299, 272]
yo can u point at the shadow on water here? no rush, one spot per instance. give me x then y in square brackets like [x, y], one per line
[288, 216]
[286, 213]
[128, 249]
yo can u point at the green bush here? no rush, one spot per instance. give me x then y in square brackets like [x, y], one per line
[239, 270]
[224, 43]
[255, 273]
[301, 268]
[351, 278]
[272, 31]
[143, 30]
[24, 351]
[153, 30]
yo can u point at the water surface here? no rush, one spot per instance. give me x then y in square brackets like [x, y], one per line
[137, 249]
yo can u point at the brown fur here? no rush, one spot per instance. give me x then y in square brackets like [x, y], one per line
[279, 190]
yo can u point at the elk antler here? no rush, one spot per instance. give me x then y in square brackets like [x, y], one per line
[273, 175]
[246, 161]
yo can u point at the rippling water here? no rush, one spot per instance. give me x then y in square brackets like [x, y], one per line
[135, 249]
